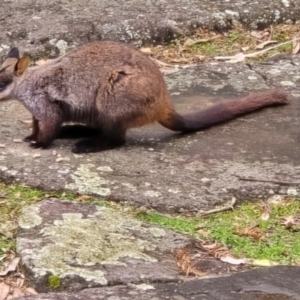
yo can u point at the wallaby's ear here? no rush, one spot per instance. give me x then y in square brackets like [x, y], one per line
[21, 66]
[14, 53]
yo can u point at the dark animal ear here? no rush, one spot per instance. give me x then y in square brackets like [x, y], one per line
[14, 53]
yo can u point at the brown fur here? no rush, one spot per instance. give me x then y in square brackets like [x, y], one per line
[110, 87]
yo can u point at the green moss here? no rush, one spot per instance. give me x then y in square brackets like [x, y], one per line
[54, 282]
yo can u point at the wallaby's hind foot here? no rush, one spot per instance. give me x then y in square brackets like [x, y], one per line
[96, 145]
[78, 131]
[29, 138]
[112, 138]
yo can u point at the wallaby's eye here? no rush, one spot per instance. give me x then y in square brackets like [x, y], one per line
[4, 82]
[2, 86]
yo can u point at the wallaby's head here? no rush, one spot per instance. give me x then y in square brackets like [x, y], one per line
[12, 73]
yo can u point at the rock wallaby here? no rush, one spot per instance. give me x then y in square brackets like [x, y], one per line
[110, 87]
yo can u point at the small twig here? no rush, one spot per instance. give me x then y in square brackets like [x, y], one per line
[267, 181]
[216, 210]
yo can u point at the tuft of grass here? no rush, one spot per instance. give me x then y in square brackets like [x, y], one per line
[276, 242]
[54, 282]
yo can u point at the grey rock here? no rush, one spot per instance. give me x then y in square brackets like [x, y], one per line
[32, 24]
[90, 246]
[163, 170]
[276, 283]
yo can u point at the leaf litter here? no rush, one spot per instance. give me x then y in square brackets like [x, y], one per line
[233, 46]
[12, 281]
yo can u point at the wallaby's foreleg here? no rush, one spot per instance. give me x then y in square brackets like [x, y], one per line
[112, 138]
[47, 131]
[35, 130]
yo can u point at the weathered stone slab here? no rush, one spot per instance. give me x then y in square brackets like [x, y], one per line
[277, 283]
[44, 28]
[90, 246]
[170, 172]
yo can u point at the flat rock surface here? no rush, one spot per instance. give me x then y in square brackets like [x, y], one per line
[102, 253]
[90, 246]
[44, 28]
[253, 157]
[276, 283]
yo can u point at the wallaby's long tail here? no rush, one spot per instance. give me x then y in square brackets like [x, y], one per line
[224, 111]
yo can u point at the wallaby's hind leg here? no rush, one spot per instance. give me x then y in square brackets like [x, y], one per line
[78, 131]
[112, 138]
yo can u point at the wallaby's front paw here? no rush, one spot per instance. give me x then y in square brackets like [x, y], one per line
[29, 138]
[37, 145]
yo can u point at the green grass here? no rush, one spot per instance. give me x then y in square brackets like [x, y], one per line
[277, 244]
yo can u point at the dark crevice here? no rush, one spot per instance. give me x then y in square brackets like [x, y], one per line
[262, 75]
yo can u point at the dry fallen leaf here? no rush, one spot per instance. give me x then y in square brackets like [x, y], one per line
[263, 263]
[244, 49]
[276, 199]
[11, 267]
[7, 228]
[17, 195]
[26, 121]
[4, 290]
[209, 246]
[296, 47]
[253, 232]
[146, 50]
[200, 57]
[183, 260]
[234, 261]
[30, 291]
[266, 213]
[203, 233]
[190, 42]
[83, 198]
[289, 222]
[263, 44]
[260, 34]
[241, 57]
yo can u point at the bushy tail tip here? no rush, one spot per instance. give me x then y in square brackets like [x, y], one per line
[281, 96]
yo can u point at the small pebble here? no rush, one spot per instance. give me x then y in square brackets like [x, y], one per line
[62, 159]
[17, 140]
[2, 145]
[36, 155]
